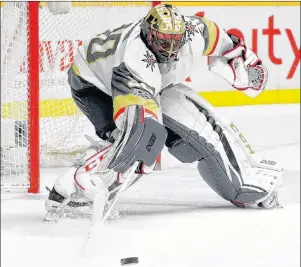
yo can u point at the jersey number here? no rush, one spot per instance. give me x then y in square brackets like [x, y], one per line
[110, 39]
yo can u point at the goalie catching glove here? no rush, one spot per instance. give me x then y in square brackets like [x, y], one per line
[241, 67]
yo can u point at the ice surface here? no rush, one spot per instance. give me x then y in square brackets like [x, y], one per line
[171, 218]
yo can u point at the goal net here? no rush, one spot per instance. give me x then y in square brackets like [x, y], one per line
[40, 125]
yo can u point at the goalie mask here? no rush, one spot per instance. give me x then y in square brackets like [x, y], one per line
[164, 31]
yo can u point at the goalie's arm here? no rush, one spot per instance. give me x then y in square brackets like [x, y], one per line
[232, 59]
[219, 43]
[141, 137]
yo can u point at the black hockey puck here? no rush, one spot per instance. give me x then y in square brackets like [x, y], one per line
[128, 261]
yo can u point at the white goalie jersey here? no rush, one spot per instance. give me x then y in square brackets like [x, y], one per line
[120, 63]
[98, 57]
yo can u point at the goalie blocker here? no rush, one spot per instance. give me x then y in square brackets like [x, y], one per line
[141, 139]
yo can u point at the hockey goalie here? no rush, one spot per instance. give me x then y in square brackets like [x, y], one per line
[125, 80]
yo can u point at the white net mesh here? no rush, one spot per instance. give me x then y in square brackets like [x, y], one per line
[14, 93]
[62, 126]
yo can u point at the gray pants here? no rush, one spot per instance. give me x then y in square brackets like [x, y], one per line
[94, 103]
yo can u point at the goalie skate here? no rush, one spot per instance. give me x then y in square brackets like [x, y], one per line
[76, 205]
[58, 206]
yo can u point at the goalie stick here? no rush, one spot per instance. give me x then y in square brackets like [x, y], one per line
[98, 216]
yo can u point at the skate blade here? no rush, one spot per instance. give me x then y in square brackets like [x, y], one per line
[57, 214]
[51, 217]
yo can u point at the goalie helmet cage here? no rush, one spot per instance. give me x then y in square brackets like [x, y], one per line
[40, 125]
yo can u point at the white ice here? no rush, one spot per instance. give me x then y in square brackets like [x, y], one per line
[172, 218]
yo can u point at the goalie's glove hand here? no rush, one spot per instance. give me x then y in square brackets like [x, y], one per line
[249, 74]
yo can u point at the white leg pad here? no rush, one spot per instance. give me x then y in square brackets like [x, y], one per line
[90, 183]
[176, 106]
[65, 185]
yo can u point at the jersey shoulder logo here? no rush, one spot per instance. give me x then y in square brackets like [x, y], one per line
[191, 29]
[150, 60]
